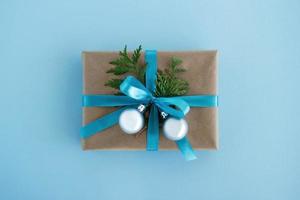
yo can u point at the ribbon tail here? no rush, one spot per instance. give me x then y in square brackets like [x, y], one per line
[186, 149]
[101, 124]
[153, 130]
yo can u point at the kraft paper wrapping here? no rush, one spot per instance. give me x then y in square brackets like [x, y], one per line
[201, 73]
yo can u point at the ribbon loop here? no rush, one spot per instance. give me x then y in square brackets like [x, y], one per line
[135, 89]
[180, 110]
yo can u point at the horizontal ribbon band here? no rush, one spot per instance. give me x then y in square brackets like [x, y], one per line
[107, 101]
[113, 100]
[200, 100]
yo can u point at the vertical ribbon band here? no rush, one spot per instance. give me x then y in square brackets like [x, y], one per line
[151, 62]
[153, 124]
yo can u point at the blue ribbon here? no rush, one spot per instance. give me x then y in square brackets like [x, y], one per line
[136, 93]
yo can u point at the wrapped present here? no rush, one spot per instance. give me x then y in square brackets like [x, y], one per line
[101, 110]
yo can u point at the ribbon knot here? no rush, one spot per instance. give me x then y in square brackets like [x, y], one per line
[153, 100]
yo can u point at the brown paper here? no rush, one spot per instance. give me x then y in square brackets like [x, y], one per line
[201, 73]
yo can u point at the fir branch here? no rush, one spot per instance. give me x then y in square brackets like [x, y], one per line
[168, 84]
[136, 55]
[127, 64]
[175, 65]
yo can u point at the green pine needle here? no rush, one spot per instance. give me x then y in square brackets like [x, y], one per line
[119, 70]
[136, 54]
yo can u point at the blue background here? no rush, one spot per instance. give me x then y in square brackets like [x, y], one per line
[40, 84]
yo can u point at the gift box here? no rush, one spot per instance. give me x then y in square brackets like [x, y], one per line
[201, 74]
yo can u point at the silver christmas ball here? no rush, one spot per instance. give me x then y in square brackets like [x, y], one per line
[131, 121]
[175, 129]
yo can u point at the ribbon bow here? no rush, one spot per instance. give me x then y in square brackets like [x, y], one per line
[136, 90]
[136, 94]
